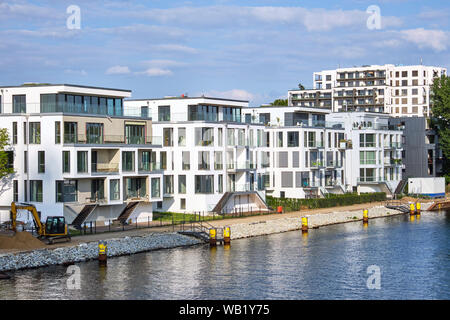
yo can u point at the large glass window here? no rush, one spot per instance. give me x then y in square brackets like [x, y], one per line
[156, 191]
[70, 132]
[293, 139]
[145, 161]
[231, 114]
[134, 134]
[49, 103]
[204, 184]
[128, 161]
[114, 189]
[264, 118]
[218, 160]
[94, 133]
[163, 158]
[66, 191]
[168, 137]
[203, 113]
[168, 184]
[14, 133]
[57, 132]
[81, 104]
[164, 113]
[182, 184]
[186, 160]
[36, 194]
[82, 161]
[203, 160]
[19, 103]
[204, 136]
[182, 137]
[35, 133]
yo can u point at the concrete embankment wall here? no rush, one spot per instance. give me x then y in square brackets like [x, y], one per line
[265, 227]
[88, 251]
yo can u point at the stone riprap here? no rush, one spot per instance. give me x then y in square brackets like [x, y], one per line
[265, 227]
[88, 251]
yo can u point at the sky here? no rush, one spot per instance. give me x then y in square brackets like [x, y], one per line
[250, 50]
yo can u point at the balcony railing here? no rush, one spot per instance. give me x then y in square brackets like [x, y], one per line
[104, 167]
[111, 139]
[149, 166]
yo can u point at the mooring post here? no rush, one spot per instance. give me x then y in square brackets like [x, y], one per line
[365, 215]
[418, 207]
[412, 209]
[102, 252]
[212, 237]
[304, 224]
[226, 235]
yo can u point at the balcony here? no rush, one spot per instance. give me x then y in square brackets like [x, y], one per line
[315, 144]
[315, 164]
[149, 167]
[334, 164]
[105, 168]
[110, 139]
[241, 187]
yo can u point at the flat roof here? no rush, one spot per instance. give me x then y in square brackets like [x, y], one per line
[180, 98]
[62, 84]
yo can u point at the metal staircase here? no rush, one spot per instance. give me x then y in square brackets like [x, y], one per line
[83, 215]
[127, 211]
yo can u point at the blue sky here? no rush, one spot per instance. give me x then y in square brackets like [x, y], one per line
[253, 50]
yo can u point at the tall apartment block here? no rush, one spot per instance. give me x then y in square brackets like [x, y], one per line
[76, 154]
[397, 90]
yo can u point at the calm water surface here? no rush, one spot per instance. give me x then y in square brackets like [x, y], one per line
[328, 263]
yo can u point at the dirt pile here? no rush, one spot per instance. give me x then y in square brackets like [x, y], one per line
[21, 240]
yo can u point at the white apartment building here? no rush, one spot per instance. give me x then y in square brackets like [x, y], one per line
[395, 89]
[210, 157]
[314, 152]
[75, 154]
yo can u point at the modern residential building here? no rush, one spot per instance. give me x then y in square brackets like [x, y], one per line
[211, 159]
[76, 154]
[329, 152]
[402, 91]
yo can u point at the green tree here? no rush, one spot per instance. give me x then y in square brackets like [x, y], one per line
[301, 87]
[4, 142]
[280, 102]
[440, 101]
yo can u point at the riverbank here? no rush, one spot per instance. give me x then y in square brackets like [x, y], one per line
[85, 248]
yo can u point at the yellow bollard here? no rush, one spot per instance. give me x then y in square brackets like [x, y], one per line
[365, 216]
[304, 224]
[418, 207]
[439, 206]
[226, 235]
[412, 209]
[212, 237]
[102, 252]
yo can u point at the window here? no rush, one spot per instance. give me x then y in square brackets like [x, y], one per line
[182, 137]
[14, 130]
[36, 191]
[25, 190]
[182, 184]
[164, 113]
[404, 74]
[135, 188]
[204, 136]
[66, 161]
[182, 203]
[15, 190]
[203, 113]
[70, 132]
[156, 192]
[128, 161]
[94, 133]
[145, 161]
[367, 140]
[185, 160]
[220, 183]
[82, 161]
[204, 184]
[230, 137]
[295, 159]
[293, 139]
[286, 179]
[25, 162]
[280, 139]
[163, 159]
[168, 184]
[218, 160]
[283, 159]
[66, 191]
[114, 189]
[367, 157]
[19, 103]
[415, 73]
[134, 134]
[41, 161]
[35, 133]
[203, 160]
[57, 132]
[168, 137]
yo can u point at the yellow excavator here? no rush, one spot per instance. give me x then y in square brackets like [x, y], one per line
[54, 228]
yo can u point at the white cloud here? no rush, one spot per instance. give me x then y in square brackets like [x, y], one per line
[237, 94]
[156, 72]
[434, 39]
[161, 63]
[118, 70]
[174, 47]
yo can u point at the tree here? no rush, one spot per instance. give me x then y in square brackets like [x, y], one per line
[4, 158]
[301, 87]
[280, 102]
[440, 101]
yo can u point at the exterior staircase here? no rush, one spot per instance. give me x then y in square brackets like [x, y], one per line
[127, 211]
[222, 202]
[401, 185]
[83, 215]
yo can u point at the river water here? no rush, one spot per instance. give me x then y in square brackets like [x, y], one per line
[412, 257]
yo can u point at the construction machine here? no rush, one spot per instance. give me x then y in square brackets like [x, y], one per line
[54, 227]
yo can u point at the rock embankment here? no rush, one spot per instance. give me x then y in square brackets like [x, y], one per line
[265, 227]
[88, 251]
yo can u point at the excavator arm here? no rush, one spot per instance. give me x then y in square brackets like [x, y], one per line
[30, 208]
